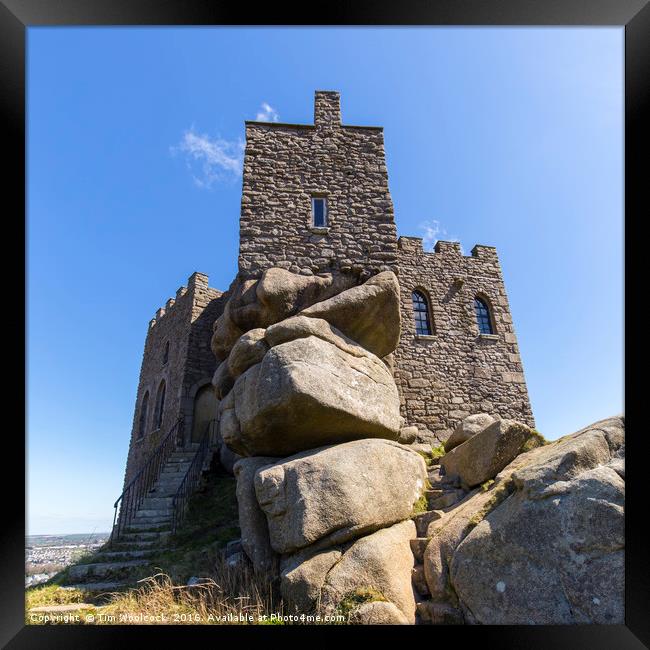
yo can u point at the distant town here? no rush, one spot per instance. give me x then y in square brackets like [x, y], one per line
[46, 555]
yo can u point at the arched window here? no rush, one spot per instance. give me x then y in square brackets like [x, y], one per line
[142, 423]
[160, 405]
[483, 317]
[166, 353]
[421, 314]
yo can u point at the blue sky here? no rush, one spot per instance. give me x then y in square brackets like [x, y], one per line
[508, 137]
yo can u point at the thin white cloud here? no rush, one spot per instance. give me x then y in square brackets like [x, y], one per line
[211, 159]
[267, 113]
[432, 231]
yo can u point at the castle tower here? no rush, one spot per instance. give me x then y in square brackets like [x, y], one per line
[177, 367]
[315, 197]
[458, 353]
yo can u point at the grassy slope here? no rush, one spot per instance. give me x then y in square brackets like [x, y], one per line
[210, 523]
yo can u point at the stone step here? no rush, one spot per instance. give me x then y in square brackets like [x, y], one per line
[160, 513]
[102, 587]
[143, 544]
[133, 553]
[434, 613]
[176, 465]
[419, 580]
[444, 482]
[99, 569]
[170, 479]
[449, 498]
[141, 536]
[178, 457]
[166, 492]
[156, 503]
[434, 493]
[418, 545]
[423, 520]
[152, 515]
[148, 528]
[173, 471]
[63, 609]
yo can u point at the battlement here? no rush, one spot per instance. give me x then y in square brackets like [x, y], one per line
[414, 245]
[196, 283]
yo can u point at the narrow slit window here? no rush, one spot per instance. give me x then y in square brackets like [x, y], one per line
[319, 211]
[166, 353]
[421, 314]
[142, 427]
[483, 318]
[160, 405]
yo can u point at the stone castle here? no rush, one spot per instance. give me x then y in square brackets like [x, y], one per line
[316, 203]
[368, 398]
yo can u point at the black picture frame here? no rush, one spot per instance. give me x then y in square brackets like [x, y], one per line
[17, 15]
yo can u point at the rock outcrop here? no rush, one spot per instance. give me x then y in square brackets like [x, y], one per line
[369, 314]
[332, 483]
[277, 295]
[331, 495]
[467, 428]
[308, 393]
[486, 453]
[307, 375]
[378, 565]
[544, 544]
[252, 521]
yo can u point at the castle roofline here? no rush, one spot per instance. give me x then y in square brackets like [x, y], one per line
[414, 245]
[311, 126]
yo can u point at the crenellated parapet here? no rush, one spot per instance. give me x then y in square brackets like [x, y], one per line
[197, 292]
[414, 246]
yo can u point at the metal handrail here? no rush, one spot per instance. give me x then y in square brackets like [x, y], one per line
[192, 476]
[139, 486]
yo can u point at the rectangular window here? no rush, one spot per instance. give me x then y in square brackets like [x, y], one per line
[319, 211]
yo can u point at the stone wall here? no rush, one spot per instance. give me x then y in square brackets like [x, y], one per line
[456, 372]
[285, 165]
[186, 323]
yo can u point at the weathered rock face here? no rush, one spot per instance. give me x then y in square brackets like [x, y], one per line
[227, 459]
[485, 454]
[378, 613]
[407, 435]
[224, 334]
[278, 294]
[222, 380]
[380, 563]
[249, 350]
[282, 294]
[469, 427]
[369, 314]
[553, 559]
[252, 521]
[300, 327]
[307, 393]
[545, 543]
[334, 494]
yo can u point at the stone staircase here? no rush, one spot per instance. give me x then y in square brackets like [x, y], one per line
[120, 563]
[442, 497]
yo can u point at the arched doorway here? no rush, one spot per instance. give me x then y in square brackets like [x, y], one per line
[205, 410]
